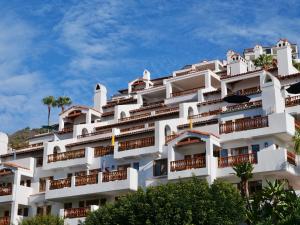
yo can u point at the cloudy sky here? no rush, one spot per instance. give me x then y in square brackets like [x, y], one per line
[63, 47]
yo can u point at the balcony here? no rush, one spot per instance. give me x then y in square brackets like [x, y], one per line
[66, 155]
[4, 220]
[5, 191]
[187, 164]
[61, 183]
[210, 102]
[233, 160]
[241, 107]
[66, 130]
[99, 132]
[186, 92]
[138, 143]
[205, 114]
[281, 125]
[103, 150]
[292, 101]
[114, 182]
[248, 91]
[71, 158]
[76, 212]
[243, 124]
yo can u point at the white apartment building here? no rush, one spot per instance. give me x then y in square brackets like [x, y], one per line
[198, 121]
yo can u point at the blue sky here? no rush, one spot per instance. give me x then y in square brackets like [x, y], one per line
[65, 47]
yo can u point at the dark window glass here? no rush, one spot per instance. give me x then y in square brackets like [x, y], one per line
[48, 210]
[255, 148]
[81, 204]
[92, 202]
[160, 167]
[25, 212]
[68, 205]
[20, 212]
[136, 166]
[224, 153]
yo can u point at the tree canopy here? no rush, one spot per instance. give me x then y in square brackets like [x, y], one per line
[190, 202]
[43, 220]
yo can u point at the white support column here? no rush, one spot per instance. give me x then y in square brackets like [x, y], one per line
[61, 123]
[14, 204]
[168, 90]
[88, 117]
[210, 161]
[207, 81]
[223, 89]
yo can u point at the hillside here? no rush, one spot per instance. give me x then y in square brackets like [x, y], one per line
[19, 139]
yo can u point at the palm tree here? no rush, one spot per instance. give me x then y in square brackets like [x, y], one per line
[63, 101]
[296, 140]
[244, 172]
[264, 61]
[50, 102]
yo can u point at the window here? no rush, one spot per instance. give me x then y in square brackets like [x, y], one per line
[20, 212]
[91, 202]
[28, 183]
[102, 201]
[42, 184]
[80, 173]
[25, 212]
[136, 165]
[224, 153]
[123, 167]
[48, 209]
[268, 51]
[81, 204]
[255, 148]
[39, 210]
[6, 213]
[68, 205]
[255, 186]
[22, 183]
[69, 175]
[39, 162]
[160, 167]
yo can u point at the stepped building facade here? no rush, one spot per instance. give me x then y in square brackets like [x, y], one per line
[198, 121]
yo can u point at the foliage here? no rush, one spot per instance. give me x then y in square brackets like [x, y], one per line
[264, 61]
[190, 202]
[19, 139]
[296, 65]
[244, 171]
[276, 205]
[43, 220]
[63, 101]
[296, 140]
[49, 101]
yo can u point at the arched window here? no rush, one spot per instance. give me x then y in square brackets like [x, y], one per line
[56, 150]
[167, 130]
[122, 115]
[84, 132]
[190, 112]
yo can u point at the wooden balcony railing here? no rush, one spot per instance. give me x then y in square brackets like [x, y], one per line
[87, 179]
[248, 91]
[5, 172]
[243, 106]
[74, 154]
[292, 101]
[291, 158]
[76, 212]
[186, 92]
[187, 164]
[106, 131]
[170, 137]
[5, 191]
[134, 117]
[166, 110]
[103, 150]
[4, 220]
[243, 124]
[61, 183]
[204, 114]
[114, 175]
[136, 127]
[138, 143]
[233, 160]
[212, 101]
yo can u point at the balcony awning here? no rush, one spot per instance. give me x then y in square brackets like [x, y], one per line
[294, 88]
[236, 98]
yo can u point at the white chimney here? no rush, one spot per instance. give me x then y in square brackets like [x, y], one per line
[258, 50]
[284, 58]
[146, 75]
[3, 143]
[100, 97]
[236, 65]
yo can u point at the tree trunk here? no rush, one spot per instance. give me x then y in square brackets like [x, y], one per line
[49, 111]
[62, 108]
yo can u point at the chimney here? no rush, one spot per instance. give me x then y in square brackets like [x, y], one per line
[3, 143]
[284, 58]
[236, 65]
[258, 50]
[100, 97]
[146, 75]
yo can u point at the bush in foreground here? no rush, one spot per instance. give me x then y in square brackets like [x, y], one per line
[43, 220]
[190, 202]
